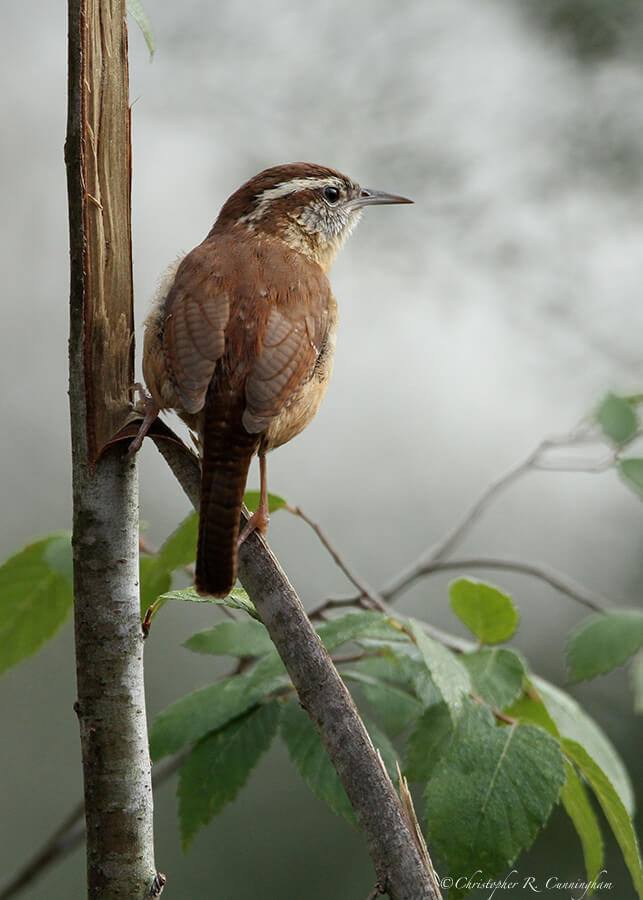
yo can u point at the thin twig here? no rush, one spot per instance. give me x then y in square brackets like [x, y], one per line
[362, 587]
[458, 645]
[535, 460]
[145, 547]
[443, 547]
[320, 611]
[553, 577]
[69, 835]
[502, 717]
[606, 462]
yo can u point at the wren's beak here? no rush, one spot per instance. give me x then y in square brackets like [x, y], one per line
[369, 197]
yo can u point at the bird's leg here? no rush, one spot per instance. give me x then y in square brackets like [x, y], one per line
[258, 521]
[151, 412]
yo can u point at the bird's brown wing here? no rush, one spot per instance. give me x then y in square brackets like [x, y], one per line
[293, 338]
[260, 314]
[291, 348]
[198, 310]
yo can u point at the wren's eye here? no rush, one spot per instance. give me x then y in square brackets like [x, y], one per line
[331, 194]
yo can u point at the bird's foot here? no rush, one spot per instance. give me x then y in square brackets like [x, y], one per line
[150, 412]
[258, 521]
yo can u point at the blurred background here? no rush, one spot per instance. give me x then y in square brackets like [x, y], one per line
[495, 311]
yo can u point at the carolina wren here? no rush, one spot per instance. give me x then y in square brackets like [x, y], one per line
[241, 338]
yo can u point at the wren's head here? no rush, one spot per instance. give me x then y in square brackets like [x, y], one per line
[310, 208]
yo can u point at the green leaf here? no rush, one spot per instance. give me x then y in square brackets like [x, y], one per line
[617, 418]
[530, 710]
[388, 690]
[219, 765]
[387, 666]
[135, 9]
[615, 812]
[573, 795]
[632, 471]
[574, 723]
[424, 686]
[496, 675]
[449, 676]
[484, 609]
[313, 763]
[395, 708]
[35, 597]
[275, 502]
[347, 628]
[247, 638]
[579, 809]
[411, 670]
[637, 683]
[154, 581]
[208, 709]
[236, 599]
[180, 547]
[603, 642]
[428, 742]
[491, 792]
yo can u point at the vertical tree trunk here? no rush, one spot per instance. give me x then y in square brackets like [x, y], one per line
[109, 642]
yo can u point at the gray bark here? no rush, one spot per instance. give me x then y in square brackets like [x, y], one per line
[109, 667]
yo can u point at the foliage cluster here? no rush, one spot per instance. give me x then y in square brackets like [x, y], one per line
[494, 747]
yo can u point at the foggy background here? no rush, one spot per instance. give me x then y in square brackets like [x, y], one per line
[495, 311]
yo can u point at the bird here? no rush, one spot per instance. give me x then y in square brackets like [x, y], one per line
[241, 337]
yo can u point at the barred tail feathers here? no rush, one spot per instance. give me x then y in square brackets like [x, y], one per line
[227, 452]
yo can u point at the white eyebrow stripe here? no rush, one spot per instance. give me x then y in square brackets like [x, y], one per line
[297, 184]
[284, 189]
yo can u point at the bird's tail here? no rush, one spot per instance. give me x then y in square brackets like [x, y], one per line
[227, 451]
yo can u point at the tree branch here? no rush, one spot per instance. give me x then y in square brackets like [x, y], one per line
[535, 460]
[443, 547]
[401, 870]
[65, 838]
[69, 834]
[362, 587]
[551, 576]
